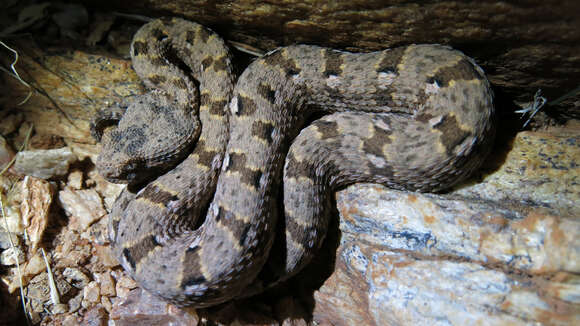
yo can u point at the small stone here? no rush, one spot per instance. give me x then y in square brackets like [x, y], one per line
[77, 256]
[124, 286]
[75, 179]
[40, 293]
[105, 256]
[37, 197]
[6, 153]
[34, 317]
[44, 163]
[91, 294]
[60, 308]
[35, 265]
[84, 207]
[109, 191]
[8, 257]
[12, 280]
[75, 277]
[97, 233]
[70, 320]
[74, 304]
[72, 250]
[107, 283]
[10, 123]
[96, 316]
[140, 307]
[5, 240]
[107, 304]
[127, 282]
[12, 216]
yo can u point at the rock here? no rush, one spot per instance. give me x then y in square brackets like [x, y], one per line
[66, 111]
[107, 304]
[517, 52]
[84, 206]
[486, 253]
[6, 153]
[75, 277]
[124, 286]
[75, 302]
[11, 221]
[11, 279]
[11, 255]
[39, 291]
[142, 308]
[34, 265]
[96, 316]
[71, 250]
[106, 283]
[75, 180]
[407, 258]
[5, 240]
[105, 256]
[37, 197]
[70, 320]
[60, 308]
[109, 191]
[9, 122]
[540, 170]
[44, 163]
[91, 294]
[97, 234]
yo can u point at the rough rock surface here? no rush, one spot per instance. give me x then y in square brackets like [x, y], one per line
[421, 259]
[44, 163]
[523, 45]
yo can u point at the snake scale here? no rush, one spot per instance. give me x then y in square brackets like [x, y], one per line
[206, 156]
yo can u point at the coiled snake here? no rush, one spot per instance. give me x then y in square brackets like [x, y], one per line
[417, 117]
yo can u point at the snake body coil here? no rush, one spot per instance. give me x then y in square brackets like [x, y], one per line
[417, 117]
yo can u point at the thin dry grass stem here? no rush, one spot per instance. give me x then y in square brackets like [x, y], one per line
[15, 74]
[13, 247]
[54, 297]
[560, 99]
[246, 48]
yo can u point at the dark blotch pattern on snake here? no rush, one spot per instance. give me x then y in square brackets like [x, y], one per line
[417, 117]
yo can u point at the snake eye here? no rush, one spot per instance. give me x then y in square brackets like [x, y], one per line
[131, 170]
[131, 177]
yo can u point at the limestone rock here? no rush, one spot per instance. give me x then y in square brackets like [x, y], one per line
[44, 164]
[84, 206]
[418, 259]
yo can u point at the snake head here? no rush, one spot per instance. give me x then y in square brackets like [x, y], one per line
[151, 137]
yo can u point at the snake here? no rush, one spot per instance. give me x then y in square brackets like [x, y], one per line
[222, 168]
